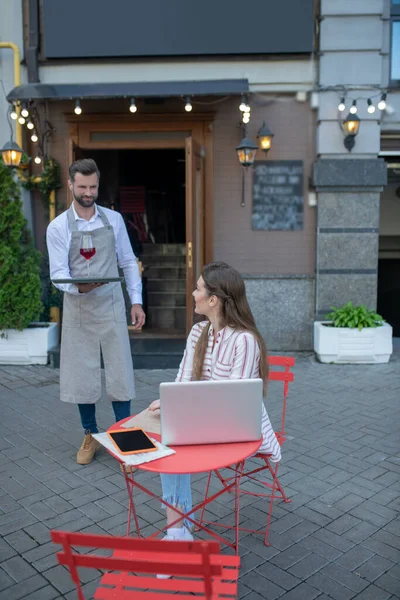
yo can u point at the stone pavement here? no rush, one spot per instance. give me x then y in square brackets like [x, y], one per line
[339, 537]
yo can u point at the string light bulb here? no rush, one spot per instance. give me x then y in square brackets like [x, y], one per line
[37, 159]
[243, 104]
[34, 137]
[353, 107]
[78, 108]
[341, 106]
[24, 111]
[132, 106]
[30, 125]
[21, 120]
[371, 107]
[188, 105]
[382, 102]
[246, 117]
[13, 113]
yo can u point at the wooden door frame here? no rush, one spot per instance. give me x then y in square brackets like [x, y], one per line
[199, 126]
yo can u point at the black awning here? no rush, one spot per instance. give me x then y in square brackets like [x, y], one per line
[66, 91]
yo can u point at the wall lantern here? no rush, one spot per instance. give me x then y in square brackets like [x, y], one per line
[246, 152]
[11, 154]
[265, 136]
[350, 126]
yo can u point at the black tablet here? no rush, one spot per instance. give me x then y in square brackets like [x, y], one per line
[131, 441]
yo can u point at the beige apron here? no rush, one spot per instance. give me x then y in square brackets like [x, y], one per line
[94, 321]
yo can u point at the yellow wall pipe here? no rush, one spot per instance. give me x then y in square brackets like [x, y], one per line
[17, 81]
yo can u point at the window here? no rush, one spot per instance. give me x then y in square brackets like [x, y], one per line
[395, 41]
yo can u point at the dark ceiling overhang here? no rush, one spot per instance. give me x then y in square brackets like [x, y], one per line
[66, 91]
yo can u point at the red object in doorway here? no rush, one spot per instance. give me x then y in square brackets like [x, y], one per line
[132, 201]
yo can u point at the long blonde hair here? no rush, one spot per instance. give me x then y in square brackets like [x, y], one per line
[225, 282]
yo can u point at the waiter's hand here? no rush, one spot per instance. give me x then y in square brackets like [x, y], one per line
[138, 316]
[84, 288]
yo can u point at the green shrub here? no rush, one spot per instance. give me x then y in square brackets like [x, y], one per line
[354, 317]
[20, 285]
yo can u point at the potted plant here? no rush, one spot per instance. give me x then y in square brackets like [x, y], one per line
[353, 334]
[22, 340]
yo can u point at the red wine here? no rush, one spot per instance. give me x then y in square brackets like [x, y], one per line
[88, 253]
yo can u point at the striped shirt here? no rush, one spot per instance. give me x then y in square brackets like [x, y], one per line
[235, 355]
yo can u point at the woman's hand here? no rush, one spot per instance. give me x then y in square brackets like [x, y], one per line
[155, 405]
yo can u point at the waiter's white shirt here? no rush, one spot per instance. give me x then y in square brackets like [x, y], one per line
[58, 239]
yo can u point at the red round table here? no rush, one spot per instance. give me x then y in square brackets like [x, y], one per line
[188, 460]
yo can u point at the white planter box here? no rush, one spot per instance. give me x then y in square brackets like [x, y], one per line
[343, 345]
[29, 346]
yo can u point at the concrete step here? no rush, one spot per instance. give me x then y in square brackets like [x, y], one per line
[146, 354]
[167, 318]
[164, 299]
[164, 272]
[166, 285]
[170, 260]
[162, 249]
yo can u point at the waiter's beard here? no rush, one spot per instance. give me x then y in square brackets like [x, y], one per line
[84, 202]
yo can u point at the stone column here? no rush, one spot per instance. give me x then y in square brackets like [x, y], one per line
[347, 231]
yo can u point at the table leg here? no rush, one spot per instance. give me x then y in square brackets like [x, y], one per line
[132, 507]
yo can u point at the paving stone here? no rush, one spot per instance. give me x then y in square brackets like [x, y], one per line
[18, 568]
[302, 592]
[291, 556]
[21, 541]
[374, 567]
[332, 588]
[354, 558]
[278, 576]
[308, 566]
[22, 589]
[5, 580]
[389, 584]
[373, 592]
[337, 573]
[262, 586]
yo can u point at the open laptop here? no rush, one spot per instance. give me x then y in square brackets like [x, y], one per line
[211, 412]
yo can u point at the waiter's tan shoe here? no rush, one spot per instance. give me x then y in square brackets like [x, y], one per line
[88, 449]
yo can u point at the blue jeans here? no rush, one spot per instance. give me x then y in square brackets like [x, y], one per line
[122, 410]
[176, 490]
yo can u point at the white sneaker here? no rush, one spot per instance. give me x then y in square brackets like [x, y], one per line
[176, 535]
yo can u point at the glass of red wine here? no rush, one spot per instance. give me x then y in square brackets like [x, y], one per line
[87, 248]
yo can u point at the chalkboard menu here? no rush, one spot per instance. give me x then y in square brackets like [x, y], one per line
[278, 195]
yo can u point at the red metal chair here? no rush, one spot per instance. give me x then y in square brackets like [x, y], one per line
[212, 574]
[276, 490]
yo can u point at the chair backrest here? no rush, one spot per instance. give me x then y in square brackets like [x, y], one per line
[138, 555]
[285, 375]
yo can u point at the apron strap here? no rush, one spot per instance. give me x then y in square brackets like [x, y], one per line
[103, 217]
[71, 219]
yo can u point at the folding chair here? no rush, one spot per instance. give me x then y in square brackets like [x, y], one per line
[199, 567]
[277, 492]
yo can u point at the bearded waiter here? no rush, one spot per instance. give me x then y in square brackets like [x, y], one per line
[94, 316]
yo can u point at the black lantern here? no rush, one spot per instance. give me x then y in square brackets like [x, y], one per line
[11, 154]
[265, 136]
[351, 126]
[246, 152]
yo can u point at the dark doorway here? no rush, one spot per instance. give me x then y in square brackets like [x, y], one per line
[148, 188]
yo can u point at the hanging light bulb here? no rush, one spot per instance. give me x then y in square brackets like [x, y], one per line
[353, 107]
[78, 109]
[371, 107]
[13, 113]
[188, 105]
[30, 125]
[243, 104]
[342, 106]
[247, 108]
[37, 159]
[34, 137]
[246, 117]
[24, 111]
[132, 106]
[382, 102]
[21, 120]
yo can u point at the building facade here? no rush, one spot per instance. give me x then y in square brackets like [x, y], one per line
[306, 224]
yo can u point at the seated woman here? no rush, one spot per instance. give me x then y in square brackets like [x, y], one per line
[226, 346]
